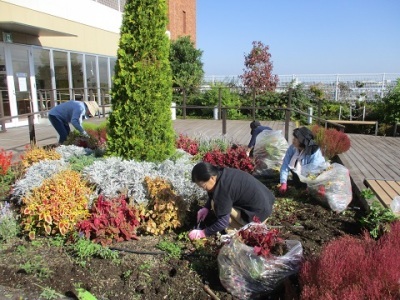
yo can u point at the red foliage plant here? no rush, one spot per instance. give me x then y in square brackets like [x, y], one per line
[234, 157]
[100, 134]
[5, 161]
[331, 141]
[111, 220]
[187, 144]
[263, 241]
[355, 268]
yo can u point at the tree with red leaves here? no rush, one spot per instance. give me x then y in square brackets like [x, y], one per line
[257, 75]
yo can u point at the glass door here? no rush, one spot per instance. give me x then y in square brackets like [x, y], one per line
[21, 74]
[4, 99]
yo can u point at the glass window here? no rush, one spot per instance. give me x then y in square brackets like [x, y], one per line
[41, 60]
[104, 79]
[61, 75]
[91, 71]
[77, 70]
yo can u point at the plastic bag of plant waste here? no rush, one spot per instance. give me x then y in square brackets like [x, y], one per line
[329, 183]
[256, 261]
[269, 152]
[395, 205]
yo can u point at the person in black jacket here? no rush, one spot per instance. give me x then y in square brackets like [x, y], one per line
[236, 197]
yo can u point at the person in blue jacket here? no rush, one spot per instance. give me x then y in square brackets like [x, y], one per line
[236, 197]
[256, 129]
[71, 112]
[303, 151]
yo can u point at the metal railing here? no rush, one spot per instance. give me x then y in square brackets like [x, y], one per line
[336, 86]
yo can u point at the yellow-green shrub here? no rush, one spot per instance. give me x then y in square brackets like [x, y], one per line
[165, 210]
[56, 206]
[35, 154]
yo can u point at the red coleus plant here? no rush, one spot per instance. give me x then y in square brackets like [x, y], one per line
[234, 157]
[187, 144]
[264, 241]
[111, 220]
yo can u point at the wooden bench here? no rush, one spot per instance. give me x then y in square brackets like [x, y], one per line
[344, 122]
[385, 190]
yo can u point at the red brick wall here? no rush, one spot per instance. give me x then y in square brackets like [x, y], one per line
[182, 18]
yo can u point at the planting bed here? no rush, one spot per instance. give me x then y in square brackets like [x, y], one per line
[38, 270]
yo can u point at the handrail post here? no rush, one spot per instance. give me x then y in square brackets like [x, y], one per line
[219, 103]
[184, 103]
[319, 112]
[223, 113]
[287, 115]
[32, 136]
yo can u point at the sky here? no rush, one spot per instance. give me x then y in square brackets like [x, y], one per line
[304, 37]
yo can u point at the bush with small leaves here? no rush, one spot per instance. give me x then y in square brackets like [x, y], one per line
[331, 141]
[354, 268]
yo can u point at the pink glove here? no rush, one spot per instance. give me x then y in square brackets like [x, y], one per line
[196, 234]
[202, 214]
[283, 188]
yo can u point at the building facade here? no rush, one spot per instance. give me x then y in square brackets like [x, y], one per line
[53, 51]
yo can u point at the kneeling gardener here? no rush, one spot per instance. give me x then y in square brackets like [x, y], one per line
[235, 196]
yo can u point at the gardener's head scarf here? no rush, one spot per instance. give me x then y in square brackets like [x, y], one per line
[306, 139]
[254, 125]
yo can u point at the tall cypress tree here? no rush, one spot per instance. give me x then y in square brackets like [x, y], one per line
[140, 125]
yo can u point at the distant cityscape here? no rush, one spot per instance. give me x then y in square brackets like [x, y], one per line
[337, 87]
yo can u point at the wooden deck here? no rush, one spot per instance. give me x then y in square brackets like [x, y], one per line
[385, 190]
[371, 158]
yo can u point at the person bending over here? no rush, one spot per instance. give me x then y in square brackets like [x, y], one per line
[71, 112]
[301, 152]
[235, 196]
[256, 129]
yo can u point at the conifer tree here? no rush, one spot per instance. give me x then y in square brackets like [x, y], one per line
[140, 125]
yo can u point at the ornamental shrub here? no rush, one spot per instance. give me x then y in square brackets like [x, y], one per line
[7, 174]
[187, 144]
[34, 154]
[5, 161]
[56, 206]
[354, 268]
[165, 211]
[140, 125]
[111, 220]
[9, 226]
[331, 141]
[77, 139]
[234, 157]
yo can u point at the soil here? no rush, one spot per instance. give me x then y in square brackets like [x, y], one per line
[38, 270]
